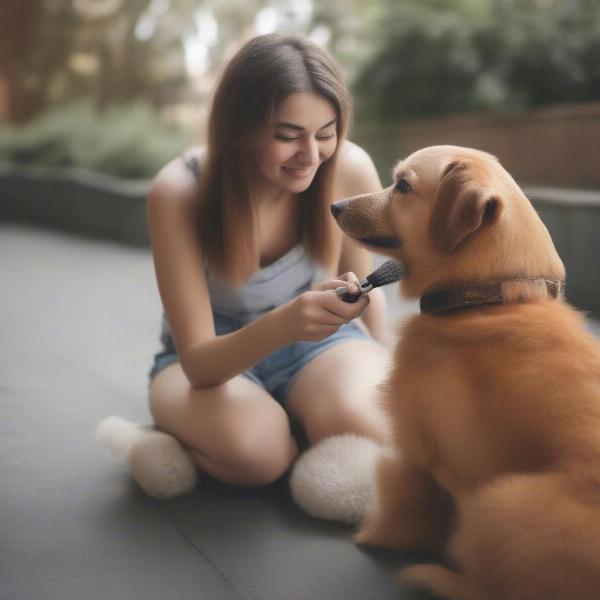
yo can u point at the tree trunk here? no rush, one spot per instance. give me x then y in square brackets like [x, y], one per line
[17, 26]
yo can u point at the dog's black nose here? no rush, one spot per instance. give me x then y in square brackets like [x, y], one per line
[338, 207]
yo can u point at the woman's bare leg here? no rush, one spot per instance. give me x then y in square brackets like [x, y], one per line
[335, 398]
[337, 393]
[235, 432]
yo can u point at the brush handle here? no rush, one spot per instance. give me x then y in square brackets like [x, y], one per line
[389, 272]
[347, 296]
[365, 288]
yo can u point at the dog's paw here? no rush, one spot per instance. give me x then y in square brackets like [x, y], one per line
[364, 537]
[440, 581]
[335, 479]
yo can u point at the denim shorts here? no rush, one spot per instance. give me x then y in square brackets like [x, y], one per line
[276, 372]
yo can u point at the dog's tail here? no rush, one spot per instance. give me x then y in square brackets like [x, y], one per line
[440, 581]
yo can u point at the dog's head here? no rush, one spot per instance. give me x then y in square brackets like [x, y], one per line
[454, 216]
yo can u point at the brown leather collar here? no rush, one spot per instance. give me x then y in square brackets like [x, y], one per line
[444, 301]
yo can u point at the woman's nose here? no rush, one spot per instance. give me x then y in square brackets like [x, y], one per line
[309, 154]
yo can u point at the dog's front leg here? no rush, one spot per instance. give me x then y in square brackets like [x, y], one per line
[412, 511]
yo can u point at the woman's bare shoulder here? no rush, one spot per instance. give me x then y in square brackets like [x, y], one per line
[178, 179]
[355, 171]
[353, 154]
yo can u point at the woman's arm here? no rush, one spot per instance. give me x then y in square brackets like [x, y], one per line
[180, 272]
[207, 359]
[311, 316]
[356, 174]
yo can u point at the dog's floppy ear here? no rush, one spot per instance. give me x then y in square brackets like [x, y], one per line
[462, 205]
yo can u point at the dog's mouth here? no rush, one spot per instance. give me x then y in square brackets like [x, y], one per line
[384, 242]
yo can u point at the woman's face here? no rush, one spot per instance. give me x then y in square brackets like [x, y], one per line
[301, 137]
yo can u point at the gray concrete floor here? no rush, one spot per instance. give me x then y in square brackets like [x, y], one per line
[79, 322]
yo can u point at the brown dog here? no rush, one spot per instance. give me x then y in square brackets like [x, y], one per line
[495, 390]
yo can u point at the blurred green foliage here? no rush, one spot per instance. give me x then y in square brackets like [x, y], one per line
[439, 57]
[129, 141]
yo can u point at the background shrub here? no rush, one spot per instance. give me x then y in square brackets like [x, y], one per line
[129, 141]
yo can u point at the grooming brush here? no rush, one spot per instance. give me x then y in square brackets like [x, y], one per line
[389, 272]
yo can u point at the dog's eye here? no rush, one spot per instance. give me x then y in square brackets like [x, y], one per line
[403, 186]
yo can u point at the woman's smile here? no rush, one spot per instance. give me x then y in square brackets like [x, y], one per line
[300, 172]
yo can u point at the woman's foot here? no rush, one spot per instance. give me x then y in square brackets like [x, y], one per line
[335, 479]
[157, 461]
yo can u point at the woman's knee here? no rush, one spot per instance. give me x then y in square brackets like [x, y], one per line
[258, 457]
[250, 446]
[254, 443]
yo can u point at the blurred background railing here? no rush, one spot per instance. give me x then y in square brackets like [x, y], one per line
[95, 93]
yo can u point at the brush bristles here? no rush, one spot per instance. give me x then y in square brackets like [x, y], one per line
[389, 272]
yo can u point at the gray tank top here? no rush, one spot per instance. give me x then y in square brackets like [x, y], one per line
[269, 287]
[266, 289]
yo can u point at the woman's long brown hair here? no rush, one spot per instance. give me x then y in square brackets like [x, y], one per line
[256, 80]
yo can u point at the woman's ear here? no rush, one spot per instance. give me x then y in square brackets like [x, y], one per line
[461, 206]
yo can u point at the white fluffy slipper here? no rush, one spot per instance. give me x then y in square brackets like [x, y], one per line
[157, 461]
[335, 479]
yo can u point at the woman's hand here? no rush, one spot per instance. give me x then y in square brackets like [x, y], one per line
[340, 280]
[320, 312]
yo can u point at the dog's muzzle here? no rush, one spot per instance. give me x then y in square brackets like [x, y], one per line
[337, 208]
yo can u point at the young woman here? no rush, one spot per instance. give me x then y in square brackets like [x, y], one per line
[246, 254]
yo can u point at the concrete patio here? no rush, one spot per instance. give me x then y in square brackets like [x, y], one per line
[79, 322]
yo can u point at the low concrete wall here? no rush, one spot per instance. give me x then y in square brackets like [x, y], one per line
[573, 220]
[76, 201]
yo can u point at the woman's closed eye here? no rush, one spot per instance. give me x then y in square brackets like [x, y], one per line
[285, 138]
